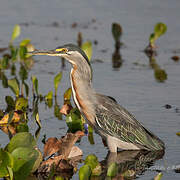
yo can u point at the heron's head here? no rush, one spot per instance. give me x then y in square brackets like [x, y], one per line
[70, 52]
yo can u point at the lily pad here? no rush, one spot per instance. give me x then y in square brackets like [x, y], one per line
[6, 160]
[24, 160]
[23, 139]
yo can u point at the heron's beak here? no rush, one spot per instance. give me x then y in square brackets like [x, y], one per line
[45, 52]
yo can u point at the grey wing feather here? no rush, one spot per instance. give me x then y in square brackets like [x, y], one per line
[118, 122]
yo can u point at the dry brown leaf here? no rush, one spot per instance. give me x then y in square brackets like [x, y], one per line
[46, 165]
[8, 129]
[68, 142]
[75, 151]
[66, 108]
[65, 149]
[15, 118]
[51, 146]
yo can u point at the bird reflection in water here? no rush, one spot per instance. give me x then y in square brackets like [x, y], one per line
[131, 163]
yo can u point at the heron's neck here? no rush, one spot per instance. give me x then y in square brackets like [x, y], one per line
[83, 92]
[81, 82]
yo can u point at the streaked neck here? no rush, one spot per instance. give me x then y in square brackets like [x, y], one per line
[83, 92]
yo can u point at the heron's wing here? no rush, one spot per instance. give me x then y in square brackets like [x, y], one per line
[118, 122]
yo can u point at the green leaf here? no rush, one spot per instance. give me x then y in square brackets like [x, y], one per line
[21, 104]
[38, 120]
[87, 48]
[67, 94]
[13, 69]
[178, 133]
[26, 89]
[160, 29]
[49, 99]
[116, 31]
[57, 112]
[112, 169]
[35, 110]
[14, 52]
[24, 160]
[22, 52]
[10, 171]
[25, 42]
[158, 176]
[160, 75]
[57, 80]
[23, 73]
[35, 84]
[152, 38]
[5, 62]
[73, 120]
[38, 161]
[23, 139]
[6, 160]
[49, 95]
[23, 127]
[93, 162]
[85, 172]
[16, 32]
[10, 102]
[90, 135]
[14, 85]
[4, 80]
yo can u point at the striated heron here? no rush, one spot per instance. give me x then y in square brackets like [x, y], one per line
[110, 120]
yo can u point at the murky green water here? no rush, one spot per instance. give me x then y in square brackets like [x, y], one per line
[133, 86]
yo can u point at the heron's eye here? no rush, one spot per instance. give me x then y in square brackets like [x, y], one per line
[64, 50]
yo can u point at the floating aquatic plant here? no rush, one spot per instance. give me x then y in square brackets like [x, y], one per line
[16, 32]
[20, 156]
[159, 29]
[116, 56]
[57, 80]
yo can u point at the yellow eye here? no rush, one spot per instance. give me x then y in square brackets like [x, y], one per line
[62, 50]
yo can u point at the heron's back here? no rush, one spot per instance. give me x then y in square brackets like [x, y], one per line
[113, 120]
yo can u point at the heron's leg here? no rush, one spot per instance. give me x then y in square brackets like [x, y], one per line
[111, 142]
